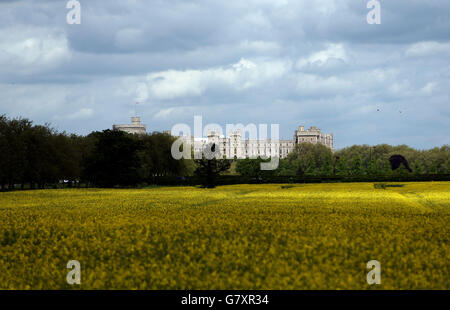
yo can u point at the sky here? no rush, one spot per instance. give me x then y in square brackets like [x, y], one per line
[287, 62]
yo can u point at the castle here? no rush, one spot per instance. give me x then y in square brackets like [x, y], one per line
[236, 146]
[134, 128]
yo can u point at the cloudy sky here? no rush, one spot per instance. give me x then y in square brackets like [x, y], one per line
[290, 62]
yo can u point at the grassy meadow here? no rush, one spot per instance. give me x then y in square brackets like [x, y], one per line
[293, 236]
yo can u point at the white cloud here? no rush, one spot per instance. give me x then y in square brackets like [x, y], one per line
[333, 53]
[245, 74]
[256, 19]
[325, 7]
[429, 88]
[30, 50]
[141, 92]
[129, 38]
[259, 46]
[427, 48]
[308, 84]
[164, 113]
[180, 59]
[81, 114]
[401, 88]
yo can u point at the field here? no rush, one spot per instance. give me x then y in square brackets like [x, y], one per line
[311, 236]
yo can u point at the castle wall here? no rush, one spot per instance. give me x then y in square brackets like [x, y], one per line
[234, 146]
[134, 128]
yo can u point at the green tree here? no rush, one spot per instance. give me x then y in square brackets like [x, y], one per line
[4, 151]
[248, 167]
[209, 167]
[310, 167]
[341, 166]
[114, 159]
[356, 167]
[311, 159]
[252, 167]
[326, 168]
[156, 157]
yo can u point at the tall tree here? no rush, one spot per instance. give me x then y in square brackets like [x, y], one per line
[210, 166]
[156, 157]
[114, 159]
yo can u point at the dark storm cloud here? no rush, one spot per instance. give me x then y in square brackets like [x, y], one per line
[288, 62]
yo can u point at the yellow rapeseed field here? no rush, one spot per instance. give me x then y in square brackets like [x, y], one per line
[299, 236]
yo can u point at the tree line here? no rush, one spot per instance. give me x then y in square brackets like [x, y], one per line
[37, 156]
[309, 159]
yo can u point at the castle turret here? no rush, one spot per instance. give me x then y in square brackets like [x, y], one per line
[134, 128]
[313, 135]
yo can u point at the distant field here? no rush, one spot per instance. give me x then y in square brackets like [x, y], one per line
[312, 236]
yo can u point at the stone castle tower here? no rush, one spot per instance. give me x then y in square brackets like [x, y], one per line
[134, 128]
